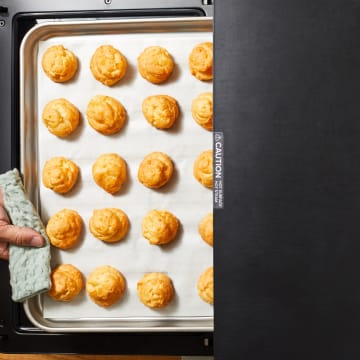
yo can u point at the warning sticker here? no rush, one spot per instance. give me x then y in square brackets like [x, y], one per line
[218, 187]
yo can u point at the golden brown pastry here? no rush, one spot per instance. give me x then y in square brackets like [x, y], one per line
[108, 65]
[61, 117]
[60, 174]
[159, 227]
[202, 110]
[59, 64]
[161, 111]
[105, 285]
[109, 224]
[205, 285]
[105, 114]
[206, 229]
[66, 283]
[109, 172]
[155, 290]
[201, 61]
[155, 170]
[203, 168]
[64, 228]
[155, 64]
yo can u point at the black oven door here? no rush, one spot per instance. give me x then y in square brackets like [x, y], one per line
[17, 334]
[287, 99]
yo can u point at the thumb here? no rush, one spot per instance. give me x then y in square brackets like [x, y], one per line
[21, 236]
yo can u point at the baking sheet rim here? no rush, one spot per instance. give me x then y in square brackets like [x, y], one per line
[41, 31]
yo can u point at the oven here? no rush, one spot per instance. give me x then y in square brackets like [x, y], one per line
[18, 19]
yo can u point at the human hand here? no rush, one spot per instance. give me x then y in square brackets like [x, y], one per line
[17, 235]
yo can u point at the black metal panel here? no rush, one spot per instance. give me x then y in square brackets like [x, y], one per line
[5, 91]
[287, 96]
[106, 344]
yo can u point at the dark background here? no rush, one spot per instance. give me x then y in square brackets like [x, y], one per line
[287, 96]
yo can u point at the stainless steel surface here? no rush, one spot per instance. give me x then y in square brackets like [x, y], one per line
[33, 309]
[29, 158]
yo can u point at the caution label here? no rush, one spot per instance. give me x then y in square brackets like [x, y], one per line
[218, 186]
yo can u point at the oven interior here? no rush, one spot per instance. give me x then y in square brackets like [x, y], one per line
[17, 334]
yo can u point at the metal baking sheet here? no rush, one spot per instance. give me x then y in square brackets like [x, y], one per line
[188, 256]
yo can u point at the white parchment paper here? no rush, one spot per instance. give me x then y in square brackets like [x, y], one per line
[188, 256]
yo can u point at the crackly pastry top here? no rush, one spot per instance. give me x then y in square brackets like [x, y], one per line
[155, 170]
[161, 111]
[66, 283]
[108, 65]
[155, 64]
[105, 114]
[60, 174]
[205, 285]
[109, 172]
[201, 61]
[206, 228]
[105, 285]
[59, 64]
[61, 117]
[202, 110]
[63, 228]
[109, 224]
[155, 290]
[159, 226]
[203, 168]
